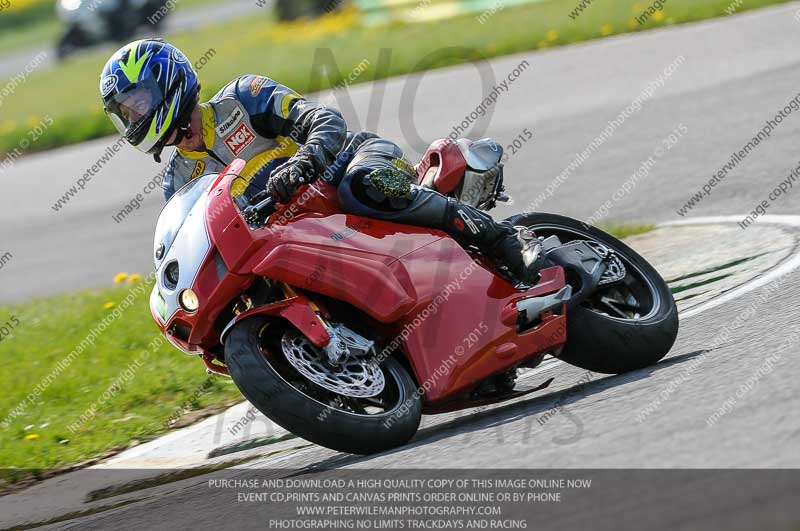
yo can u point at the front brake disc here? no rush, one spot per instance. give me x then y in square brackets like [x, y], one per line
[353, 376]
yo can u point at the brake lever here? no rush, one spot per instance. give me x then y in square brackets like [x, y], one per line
[264, 208]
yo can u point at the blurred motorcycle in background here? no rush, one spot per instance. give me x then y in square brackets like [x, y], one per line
[92, 22]
[288, 10]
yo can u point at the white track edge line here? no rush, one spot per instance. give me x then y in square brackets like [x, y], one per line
[785, 268]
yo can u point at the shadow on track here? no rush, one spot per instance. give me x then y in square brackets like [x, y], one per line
[528, 409]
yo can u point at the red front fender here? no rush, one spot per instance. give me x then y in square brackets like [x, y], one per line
[297, 310]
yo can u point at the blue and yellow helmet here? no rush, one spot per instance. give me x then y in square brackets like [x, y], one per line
[149, 90]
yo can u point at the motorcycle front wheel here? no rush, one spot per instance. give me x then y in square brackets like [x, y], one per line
[625, 326]
[290, 381]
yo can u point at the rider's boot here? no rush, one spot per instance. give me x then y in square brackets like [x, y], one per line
[517, 248]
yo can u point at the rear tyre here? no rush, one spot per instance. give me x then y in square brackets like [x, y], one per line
[361, 426]
[621, 328]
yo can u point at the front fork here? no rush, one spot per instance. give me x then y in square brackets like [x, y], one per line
[310, 319]
[343, 341]
[303, 313]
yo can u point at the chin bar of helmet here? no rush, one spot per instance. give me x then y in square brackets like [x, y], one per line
[184, 130]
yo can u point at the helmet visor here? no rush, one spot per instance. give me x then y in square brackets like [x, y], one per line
[133, 110]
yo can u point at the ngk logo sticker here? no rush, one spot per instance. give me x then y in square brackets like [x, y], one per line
[240, 139]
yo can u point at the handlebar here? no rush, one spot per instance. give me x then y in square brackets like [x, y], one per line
[264, 208]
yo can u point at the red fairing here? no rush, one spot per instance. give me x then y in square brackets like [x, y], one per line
[442, 166]
[350, 258]
[451, 316]
[455, 336]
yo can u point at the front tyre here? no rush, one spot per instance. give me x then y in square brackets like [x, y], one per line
[622, 327]
[259, 367]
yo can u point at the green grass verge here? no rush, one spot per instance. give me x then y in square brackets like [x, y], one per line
[29, 15]
[68, 92]
[143, 387]
[41, 34]
[626, 231]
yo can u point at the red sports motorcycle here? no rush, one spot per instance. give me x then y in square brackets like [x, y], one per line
[344, 329]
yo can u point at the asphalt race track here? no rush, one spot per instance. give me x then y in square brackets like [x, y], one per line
[736, 74]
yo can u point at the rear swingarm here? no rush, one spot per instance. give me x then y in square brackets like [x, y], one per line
[587, 261]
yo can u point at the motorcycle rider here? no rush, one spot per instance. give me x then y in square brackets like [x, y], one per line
[151, 93]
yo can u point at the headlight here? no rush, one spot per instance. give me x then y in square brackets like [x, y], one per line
[189, 300]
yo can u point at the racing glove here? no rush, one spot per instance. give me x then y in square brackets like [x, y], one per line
[289, 176]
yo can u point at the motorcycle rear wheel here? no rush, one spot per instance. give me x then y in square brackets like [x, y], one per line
[260, 370]
[624, 327]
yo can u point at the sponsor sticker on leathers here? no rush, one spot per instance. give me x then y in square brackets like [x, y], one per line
[240, 139]
[257, 84]
[227, 125]
[199, 167]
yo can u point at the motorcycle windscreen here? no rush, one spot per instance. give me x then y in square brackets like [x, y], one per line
[174, 214]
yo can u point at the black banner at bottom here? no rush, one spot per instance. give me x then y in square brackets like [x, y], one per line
[344, 499]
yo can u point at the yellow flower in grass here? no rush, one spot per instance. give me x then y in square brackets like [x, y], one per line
[135, 277]
[637, 8]
[552, 35]
[120, 277]
[109, 305]
[606, 30]
[658, 16]
[305, 30]
[632, 24]
[31, 436]
[544, 44]
[33, 121]
[8, 127]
